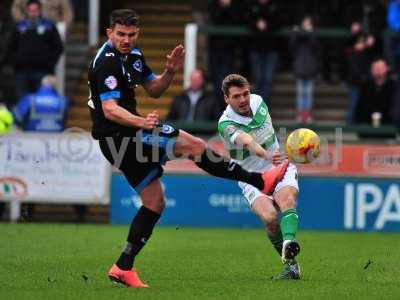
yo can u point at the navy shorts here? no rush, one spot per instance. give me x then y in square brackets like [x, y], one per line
[140, 157]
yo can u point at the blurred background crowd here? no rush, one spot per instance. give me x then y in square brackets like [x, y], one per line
[297, 54]
[350, 43]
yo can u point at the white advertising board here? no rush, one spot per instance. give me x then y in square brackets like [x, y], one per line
[53, 168]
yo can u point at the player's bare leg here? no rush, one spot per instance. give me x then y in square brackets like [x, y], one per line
[217, 165]
[152, 196]
[266, 210]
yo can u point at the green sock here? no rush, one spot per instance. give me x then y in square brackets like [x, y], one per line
[289, 224]
[277, 241]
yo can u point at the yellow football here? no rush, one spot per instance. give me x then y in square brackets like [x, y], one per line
[302, 146]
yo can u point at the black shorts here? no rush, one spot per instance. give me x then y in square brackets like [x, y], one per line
[140, 157]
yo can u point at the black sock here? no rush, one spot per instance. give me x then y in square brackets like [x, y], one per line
[139, 233]
[217, 165]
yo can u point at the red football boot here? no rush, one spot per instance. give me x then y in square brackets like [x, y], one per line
[273, 176]
[129, 278]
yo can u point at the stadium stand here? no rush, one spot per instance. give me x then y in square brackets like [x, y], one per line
[163, 27]
[330, 102]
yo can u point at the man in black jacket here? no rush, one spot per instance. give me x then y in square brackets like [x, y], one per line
[34, 49]
[194, 104]
[377, 96]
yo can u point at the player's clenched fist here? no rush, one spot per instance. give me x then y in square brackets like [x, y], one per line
[151, 120]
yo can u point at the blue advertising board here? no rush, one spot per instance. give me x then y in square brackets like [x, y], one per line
[323, 203]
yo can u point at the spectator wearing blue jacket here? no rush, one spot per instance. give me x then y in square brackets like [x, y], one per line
[33, 49]
[393, 15]
[43, 111]
[392, 39]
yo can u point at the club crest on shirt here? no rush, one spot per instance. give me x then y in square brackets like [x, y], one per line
[137, 65]
[111, 82]
[263, 111]
[167, 129]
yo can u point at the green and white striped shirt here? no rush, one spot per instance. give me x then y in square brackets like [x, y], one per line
[259, 126]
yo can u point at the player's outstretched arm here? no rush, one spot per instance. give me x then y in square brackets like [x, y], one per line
[247, 142]
[120, 115]
[174, 63]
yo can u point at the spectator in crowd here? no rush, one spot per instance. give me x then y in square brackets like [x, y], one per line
[6, 24]
[34, 49]
[195, 103]
[305, 49]
[81, 10]
[330, 15]
[377, 96]
[370, 14]
[263, 19]
[366, 18]
[392, 39]
[341, 14]
[55, 10]
[221, 48]
[359, 53]
[43, 111]
[199, 9]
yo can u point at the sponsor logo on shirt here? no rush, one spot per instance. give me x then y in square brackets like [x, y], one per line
[230, 129]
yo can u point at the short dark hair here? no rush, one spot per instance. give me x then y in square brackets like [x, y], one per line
[233, 80]
[127, 17]
[37, 2]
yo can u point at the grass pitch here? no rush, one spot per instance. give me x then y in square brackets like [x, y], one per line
[70, 262]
